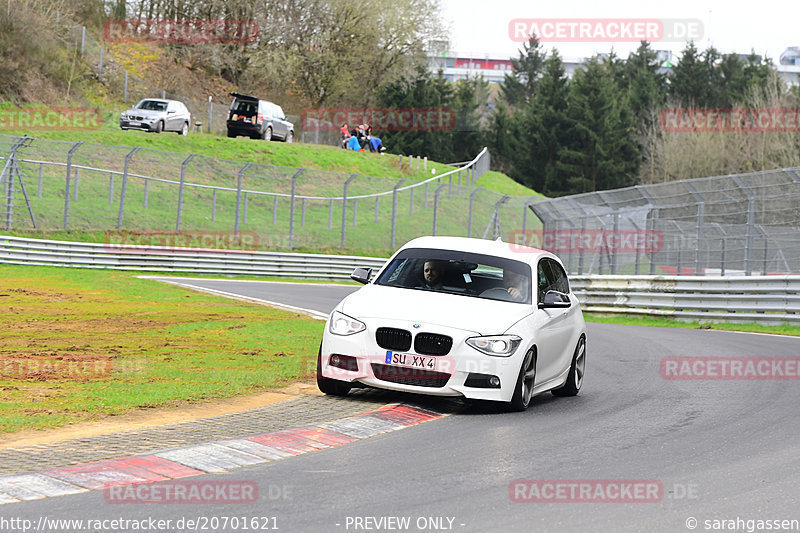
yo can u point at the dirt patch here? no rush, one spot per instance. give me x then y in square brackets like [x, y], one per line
[144, 418]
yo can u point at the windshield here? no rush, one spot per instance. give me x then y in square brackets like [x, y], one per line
[152, 105]
[456, 272]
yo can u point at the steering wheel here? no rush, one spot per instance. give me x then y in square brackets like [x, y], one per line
[497, 293]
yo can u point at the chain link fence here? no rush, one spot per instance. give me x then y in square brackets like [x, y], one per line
[54, 185]
[745, 224]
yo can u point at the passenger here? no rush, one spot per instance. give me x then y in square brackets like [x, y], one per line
[517, 285]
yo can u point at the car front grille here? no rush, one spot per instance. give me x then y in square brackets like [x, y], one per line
[410, 376]
[395, 339]
[432, 344]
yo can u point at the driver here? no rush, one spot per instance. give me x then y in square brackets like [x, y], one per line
[516, 283]
[433, 272]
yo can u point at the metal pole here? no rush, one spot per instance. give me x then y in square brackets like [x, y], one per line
[394, 212]
[146, 191]
[69, 179]
[330, 214]
[83, 38]
[274, 210]
[75, 192]
[213, 205]
[110, 188]
[100, 67]
[436, 204]
[239, 199]
[291, 207]
[180, 190]
[125, 185]
[469, 217]
[303, 213]
[41, 180]
[344, 206]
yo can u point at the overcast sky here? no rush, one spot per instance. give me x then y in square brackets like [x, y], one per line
[481, 27]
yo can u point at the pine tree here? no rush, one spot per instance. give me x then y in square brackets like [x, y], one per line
[688, 79]
[519, 87]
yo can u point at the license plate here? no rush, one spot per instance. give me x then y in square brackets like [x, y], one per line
[134, 123]
[410, 360]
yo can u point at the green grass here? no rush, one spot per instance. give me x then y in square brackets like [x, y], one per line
[662, 322]
[164, 345]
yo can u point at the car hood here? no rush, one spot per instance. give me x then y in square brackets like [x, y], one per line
[479, 315]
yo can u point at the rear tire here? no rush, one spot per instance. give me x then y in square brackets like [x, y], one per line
[267, 134]
[523, 390]
[576, 371]
[184, 130]
[332, 387]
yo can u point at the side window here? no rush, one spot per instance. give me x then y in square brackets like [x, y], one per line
[544, 279]
[560, 280]
[171, 107]
[279, 112]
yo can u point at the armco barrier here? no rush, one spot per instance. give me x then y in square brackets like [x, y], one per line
[23, 251]
[763, 299]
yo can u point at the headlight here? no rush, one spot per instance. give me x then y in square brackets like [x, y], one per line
[123, 117]
[498, 345]
[342, 324]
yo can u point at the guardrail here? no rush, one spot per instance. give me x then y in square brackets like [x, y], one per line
[763, 299]
[23, 251]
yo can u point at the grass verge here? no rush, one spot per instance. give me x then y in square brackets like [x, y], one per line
[82, 345]
[662, 322]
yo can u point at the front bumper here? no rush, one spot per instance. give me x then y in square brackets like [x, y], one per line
[445, 375]
[144, 125]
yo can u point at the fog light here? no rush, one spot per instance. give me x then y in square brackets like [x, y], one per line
[345, 362]
[482, 381]
[335, 360]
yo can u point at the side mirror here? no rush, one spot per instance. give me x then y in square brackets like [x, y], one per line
[555, 300]
[361, 275]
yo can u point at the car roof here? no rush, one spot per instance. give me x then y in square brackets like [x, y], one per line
[497, 247]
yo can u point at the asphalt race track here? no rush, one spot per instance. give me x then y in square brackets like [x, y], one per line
[724, 450]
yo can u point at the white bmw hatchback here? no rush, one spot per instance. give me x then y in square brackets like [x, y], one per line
[453, 316]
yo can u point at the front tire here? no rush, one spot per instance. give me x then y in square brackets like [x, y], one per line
[159, 127]
[289, 137]
[331, 387]
[576, 371]
[523, 390]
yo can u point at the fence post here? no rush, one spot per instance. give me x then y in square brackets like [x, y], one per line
[100, 67]
[436, 204]
[275, 210]
[75, 192]
[344, 206]
[303, 213]
[110, 188]
[469, 217]
[394, 211]
[125, 185]
[239, 199]
[180, 191]
[426, 164]
[291, 207]
[146, 191]
[213, 205]
[41, 179]
[83, 38]
[125, 91]
[330, 214]
[751, 220]
[69, 179]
